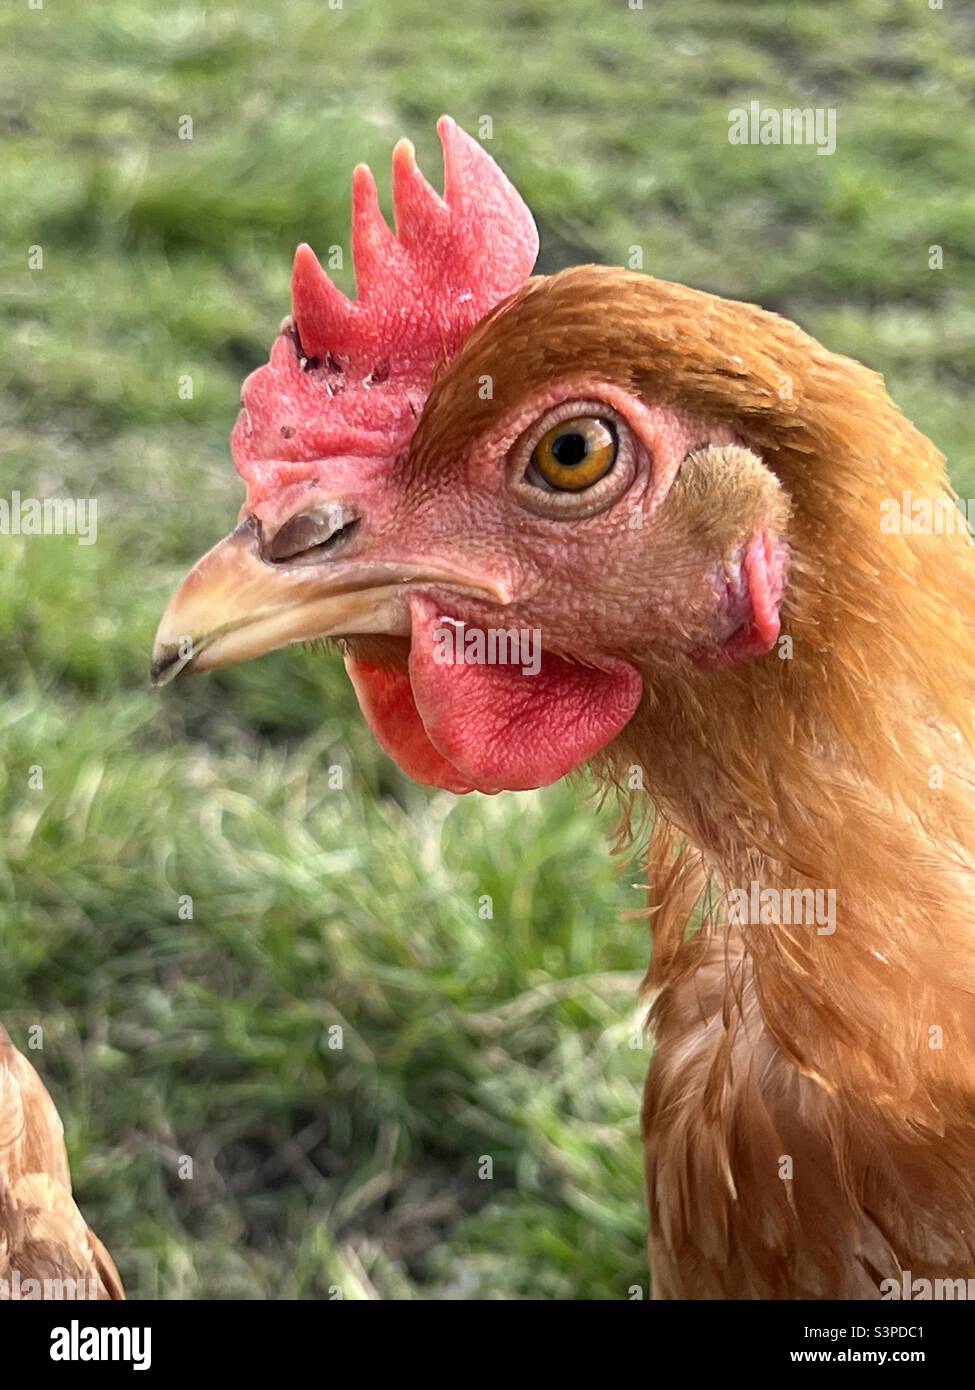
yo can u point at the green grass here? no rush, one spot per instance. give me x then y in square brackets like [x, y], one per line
[314, 909]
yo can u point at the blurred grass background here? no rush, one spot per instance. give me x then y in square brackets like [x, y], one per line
[316, 1167]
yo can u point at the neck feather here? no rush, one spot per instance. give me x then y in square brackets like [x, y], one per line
[843, 792]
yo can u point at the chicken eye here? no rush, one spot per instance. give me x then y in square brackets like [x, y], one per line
[575, 454]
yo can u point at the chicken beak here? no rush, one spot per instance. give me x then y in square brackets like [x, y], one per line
[235, 604]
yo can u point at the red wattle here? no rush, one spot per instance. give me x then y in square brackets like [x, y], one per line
[491, 728]
[386, 699]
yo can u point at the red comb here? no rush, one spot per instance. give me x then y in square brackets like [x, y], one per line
[349, 376]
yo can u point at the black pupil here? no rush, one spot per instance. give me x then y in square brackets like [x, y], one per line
[570, 448]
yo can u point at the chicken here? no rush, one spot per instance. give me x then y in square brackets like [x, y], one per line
[46, 1249]
[685, 504]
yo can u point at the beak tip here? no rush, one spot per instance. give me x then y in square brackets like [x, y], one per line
[166, 665]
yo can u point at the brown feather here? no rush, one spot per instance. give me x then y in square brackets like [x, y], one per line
[43, 1235]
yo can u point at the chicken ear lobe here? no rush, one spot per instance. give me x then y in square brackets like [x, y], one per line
[738, 512]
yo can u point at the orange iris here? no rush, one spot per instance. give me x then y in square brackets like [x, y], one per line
[575, 454]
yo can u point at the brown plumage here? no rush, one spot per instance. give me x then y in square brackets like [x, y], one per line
[847, 766]
[46, 1249]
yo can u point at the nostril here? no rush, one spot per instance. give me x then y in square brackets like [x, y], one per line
[307, 537]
